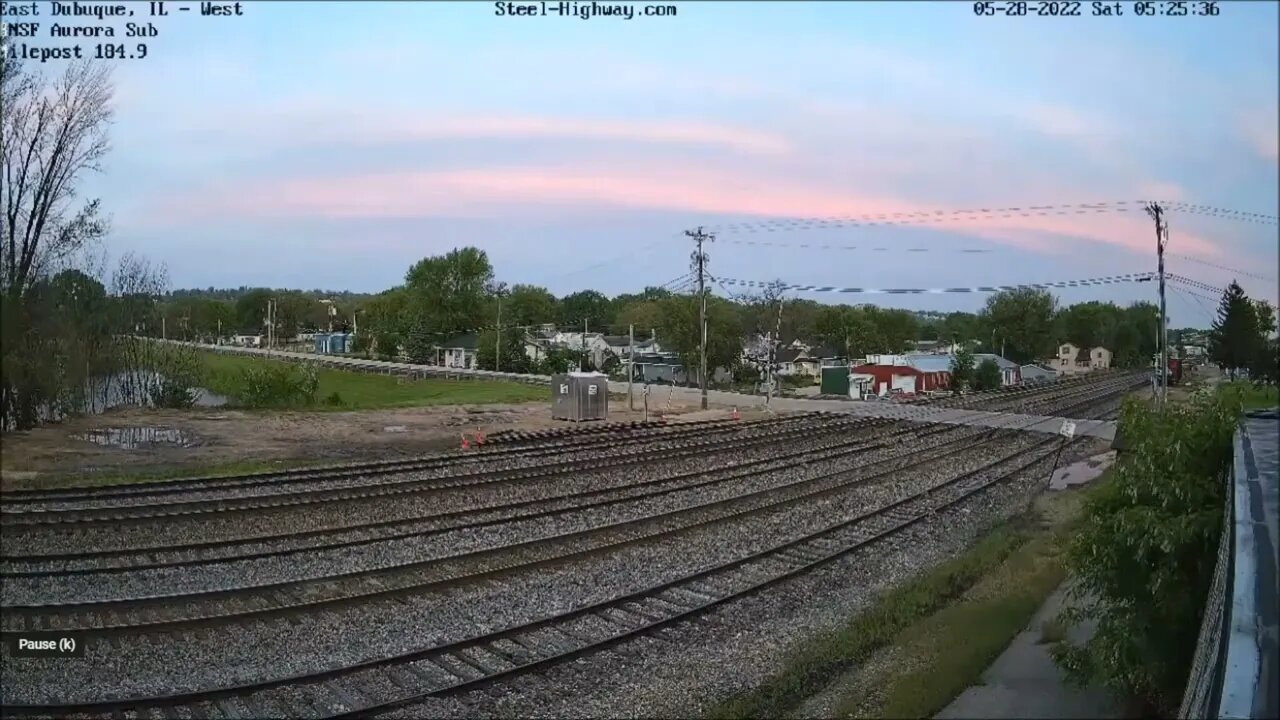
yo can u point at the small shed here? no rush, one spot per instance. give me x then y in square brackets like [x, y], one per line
[579, 396]
[835, 380]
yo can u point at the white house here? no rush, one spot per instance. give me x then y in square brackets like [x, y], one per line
[460, 351]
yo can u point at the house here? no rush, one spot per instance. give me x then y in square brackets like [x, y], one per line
[811, 362]
[788, 361]
[592, 343]
[460, 351]
[1010, 372]
[247, 340]
[1072, 359]
[1034, 374]
[907, 374]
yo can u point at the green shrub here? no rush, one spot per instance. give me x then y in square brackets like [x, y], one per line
[277, 384]
[176, 379]
[333, 399]
[1147, 548]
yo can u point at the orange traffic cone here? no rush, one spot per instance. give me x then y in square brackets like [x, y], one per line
[465, 443]
[479, 437]
[735, 414]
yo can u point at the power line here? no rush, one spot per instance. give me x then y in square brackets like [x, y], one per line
[1225, 213]
[925, 216]
[829, 246]
[1108, 280]
[1222, 267]
[1195, 283]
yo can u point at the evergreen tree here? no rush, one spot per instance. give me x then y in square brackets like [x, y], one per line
[1233, 339]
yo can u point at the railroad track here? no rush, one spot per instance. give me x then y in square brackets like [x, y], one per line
[172, 612]
[579, 438]
[743, 435]
[382, 684]
[208, 552]
[165, 507]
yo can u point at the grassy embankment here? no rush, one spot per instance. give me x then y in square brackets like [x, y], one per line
[345, 390]
[934, 636]
[1254, 397]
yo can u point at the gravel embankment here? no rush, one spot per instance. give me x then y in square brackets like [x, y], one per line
[392, 553]
[140, 666]
[226, 526]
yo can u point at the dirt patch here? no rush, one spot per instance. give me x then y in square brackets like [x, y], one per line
[219, 437]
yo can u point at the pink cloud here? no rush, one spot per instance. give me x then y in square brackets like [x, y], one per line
[1260, 130]
[317, 122]
[646, 186]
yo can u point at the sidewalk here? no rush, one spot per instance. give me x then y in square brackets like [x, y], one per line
[1024, 682]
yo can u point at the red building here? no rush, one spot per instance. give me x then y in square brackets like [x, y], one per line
[909, 374]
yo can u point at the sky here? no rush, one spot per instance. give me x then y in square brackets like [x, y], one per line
[332, 144]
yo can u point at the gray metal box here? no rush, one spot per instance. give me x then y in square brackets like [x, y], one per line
[580, 396]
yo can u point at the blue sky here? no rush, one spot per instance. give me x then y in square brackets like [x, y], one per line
[332, 144]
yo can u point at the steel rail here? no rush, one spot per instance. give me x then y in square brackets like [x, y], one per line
[114, 514]
[843, 447]
[800, 560]
[369, 587]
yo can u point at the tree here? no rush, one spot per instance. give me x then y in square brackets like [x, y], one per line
[446, 294]
[528, 305]
[588, 305]
[251, 311]
[1264, 369]
[1143, 557]
[52, 133]
[514, 358]
[962, 371]
[682, 332]
[1023, 323]
[1234, 337]
[644, 315]
[987, 376]
[958, 327]
[849, 330]
[1265, 315]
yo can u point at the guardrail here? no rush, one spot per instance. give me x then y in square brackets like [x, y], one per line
[1236, 670]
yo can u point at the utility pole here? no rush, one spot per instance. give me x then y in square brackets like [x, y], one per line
[164, 331]
[1162, 237]
[700, 263]
[497, 344]
[773, 340]
[631, 365]
[582, 362]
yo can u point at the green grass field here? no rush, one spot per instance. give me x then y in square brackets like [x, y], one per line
[359, 391]
[1253, 396]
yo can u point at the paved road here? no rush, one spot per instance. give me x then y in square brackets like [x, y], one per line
[663, 395]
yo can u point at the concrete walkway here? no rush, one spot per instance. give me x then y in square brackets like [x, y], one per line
[1024, 682]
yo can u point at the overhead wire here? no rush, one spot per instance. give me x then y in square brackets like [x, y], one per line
[925, 216]
[1107, 280]
[1221, 267]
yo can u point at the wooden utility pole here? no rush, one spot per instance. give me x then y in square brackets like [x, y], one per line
[1162, 238]
[582, 363]
[497, 344]
[631, 365]
[700, 265]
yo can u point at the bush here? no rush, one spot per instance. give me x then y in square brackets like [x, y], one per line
[176, 379]
[333, 399]
[987, 376]
[277, 384]
[1147, 549]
